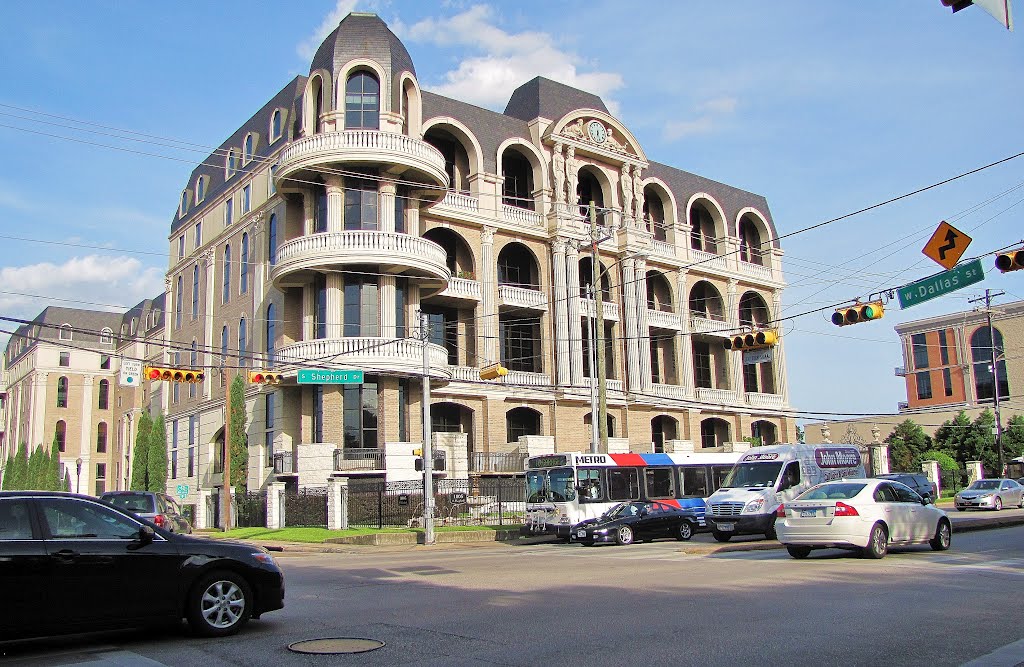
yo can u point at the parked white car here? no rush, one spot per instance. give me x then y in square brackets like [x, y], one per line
[863, 514]
[990, 494]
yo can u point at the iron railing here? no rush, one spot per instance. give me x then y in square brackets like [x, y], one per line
[284, 463]
[513, 462]
[358, 459]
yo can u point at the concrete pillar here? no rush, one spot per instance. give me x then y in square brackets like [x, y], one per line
[275, 505]
[572, 288]
[732, 303]
[335, 186]
[386, 206]
[931, 470]
[386, 305]
[685, 338]
[335, 295]
[779, 353]
[643, 325]
[561, 313]
[337, 503]
[488, 279]
[974, 471]
[212, 343]
[202, 518]
[631, 318]
[879, 459]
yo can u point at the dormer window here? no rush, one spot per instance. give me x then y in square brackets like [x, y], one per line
[201, 188]
[106, 336]
[248, 147]
[231, 164]
[275, 125]
[183, 205]
[65, 332]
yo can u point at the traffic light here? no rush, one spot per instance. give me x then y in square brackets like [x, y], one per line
[1010, 261]
[752, 340]
[957, 5]
[174, 374]
[264, 377]
[493, 372]
[860, 312]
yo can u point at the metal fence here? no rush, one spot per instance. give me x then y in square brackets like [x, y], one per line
[251, 509]
[479, 501]
[305, 507]
[953, 480]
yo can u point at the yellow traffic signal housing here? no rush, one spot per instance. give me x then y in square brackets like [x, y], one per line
[173, 374]
[861, 312]
[1010, 261]
[264, 377]
[493, 372]
[752, 340]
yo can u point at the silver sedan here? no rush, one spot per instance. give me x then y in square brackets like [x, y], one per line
[990, 494]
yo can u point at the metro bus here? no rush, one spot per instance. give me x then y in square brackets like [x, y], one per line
[566, 488]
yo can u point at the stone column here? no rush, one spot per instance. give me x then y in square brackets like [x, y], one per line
[685, 338]
[309, 312]
[386, 206]
[82, 483]
[631, 318]
[931, 470]
[643, 323]
[37, 401]
[879, 459]
[335, 186]
[202, 504]
[337, 503]
[733, 319]
[308, 207]
[779, 352]
[212, 343]
[387, 306]
[275, 505]
[335, 302]
[572, 288]
[975, 471]
[561, 312]
[488, 279]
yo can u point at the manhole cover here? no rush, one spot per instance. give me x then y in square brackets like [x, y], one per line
[335, 645]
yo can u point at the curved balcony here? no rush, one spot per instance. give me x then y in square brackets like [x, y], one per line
[404, 254]
[394, 356]
[423, 163]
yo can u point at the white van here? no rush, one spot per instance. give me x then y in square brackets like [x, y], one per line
[766, 477]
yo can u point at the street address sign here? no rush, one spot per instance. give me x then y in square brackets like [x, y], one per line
[941, 283]
[317, 376]
[947, 245]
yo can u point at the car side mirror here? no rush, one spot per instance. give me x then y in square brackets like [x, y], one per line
[146, 535]
[925, 500]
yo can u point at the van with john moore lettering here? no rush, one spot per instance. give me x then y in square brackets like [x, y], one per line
[766, 477]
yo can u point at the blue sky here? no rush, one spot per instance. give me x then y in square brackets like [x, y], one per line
[824, 108]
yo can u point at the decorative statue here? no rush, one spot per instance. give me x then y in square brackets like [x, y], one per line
[558, 173]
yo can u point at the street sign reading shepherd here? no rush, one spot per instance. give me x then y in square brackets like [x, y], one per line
[941, 283]
[316, 376]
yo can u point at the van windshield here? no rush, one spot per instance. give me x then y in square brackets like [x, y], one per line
[759, 473]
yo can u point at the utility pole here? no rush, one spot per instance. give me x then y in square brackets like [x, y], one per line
[426, 451]
[226, 490]
[602, 397]
[989, 295]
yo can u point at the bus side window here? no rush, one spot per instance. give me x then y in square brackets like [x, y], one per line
[695, 482]
[718, 475]
[623, 484]
[659, 483]
[588, 482]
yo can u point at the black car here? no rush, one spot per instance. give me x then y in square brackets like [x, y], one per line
[157, 508]
[638, 521]
[915, 480]
[71, 563]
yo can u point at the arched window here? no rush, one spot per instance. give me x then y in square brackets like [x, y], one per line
[659, 292]
[177, 302]
[985, 345]
[200, 189]
[702, 230]
[242, 342]
[706, 302]
[765, 432]
[588, 189]
[654, 215]
[588, 419]
[62, 392]
[183, 206]
[750, 243]
[362, 102]
[517, 267]
[517, 187]
[271, 314]
[107, 336]
[714, 432]
[103, 395]
[520, 422]
[275, 125]
[272, 239]
[195, 292]
[227, 273]
[247, 148]
[663, 428]
[60, 434]
[753, 310]
[231, 164]
[101, 437]
[243, 269]
[586, 277]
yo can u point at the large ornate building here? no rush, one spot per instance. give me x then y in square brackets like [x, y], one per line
[354, 201]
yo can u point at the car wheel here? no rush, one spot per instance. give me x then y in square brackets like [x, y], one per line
[798, 552]
[624, 535]
[219, 604]
[685, 531]
[998, 504]
[878, 542]
[943, 536]
[720, 536]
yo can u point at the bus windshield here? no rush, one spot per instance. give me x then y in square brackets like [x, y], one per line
[555, 485]
[760, 474]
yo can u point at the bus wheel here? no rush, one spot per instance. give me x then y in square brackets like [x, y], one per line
[624, 535]
[720, 536]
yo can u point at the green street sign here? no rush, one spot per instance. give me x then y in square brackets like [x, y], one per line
[941, 283]
[316, 376]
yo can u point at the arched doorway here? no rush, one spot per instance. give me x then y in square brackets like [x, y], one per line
[663, 428]
[714, 432]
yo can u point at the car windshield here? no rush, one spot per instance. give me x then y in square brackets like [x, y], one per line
[839, 491]
[753, 474]
[622, 509]
[133, 502]
[984, 485]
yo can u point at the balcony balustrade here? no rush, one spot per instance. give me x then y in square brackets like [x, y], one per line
[284, 464]
[463, 289]
[709, 395]
[708, 260]
[522, 216]
[676, 391]
[522, 297]
[663, 319]
[487, 462]
[348, 460]
[609, 309]
[395, 355]
[707, 325]
[759, 400]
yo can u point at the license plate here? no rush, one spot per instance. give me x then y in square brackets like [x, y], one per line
[808, 512]
[726, 526]
[581, 533]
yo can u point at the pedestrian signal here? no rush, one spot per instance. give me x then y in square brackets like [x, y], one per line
[861, 312]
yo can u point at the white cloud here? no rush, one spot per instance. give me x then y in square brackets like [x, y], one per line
[707, 119]
[94, 282]
[503, 60]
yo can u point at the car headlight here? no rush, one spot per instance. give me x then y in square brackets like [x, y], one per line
[264, 557]
[754, 506]
[985, 496]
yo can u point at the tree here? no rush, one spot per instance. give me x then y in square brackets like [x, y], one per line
[19, 469]
[53, 474]
[1013, 437]
[239, 444]
[67, 480]
[800, 435]
[907, 443]
[36, 469]
[140, 453]
[945, 461]
[8, 471]
[156, 463]
[951, 436]
[965, 440]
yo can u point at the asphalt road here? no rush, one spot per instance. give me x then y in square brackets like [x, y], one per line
[541, 604]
